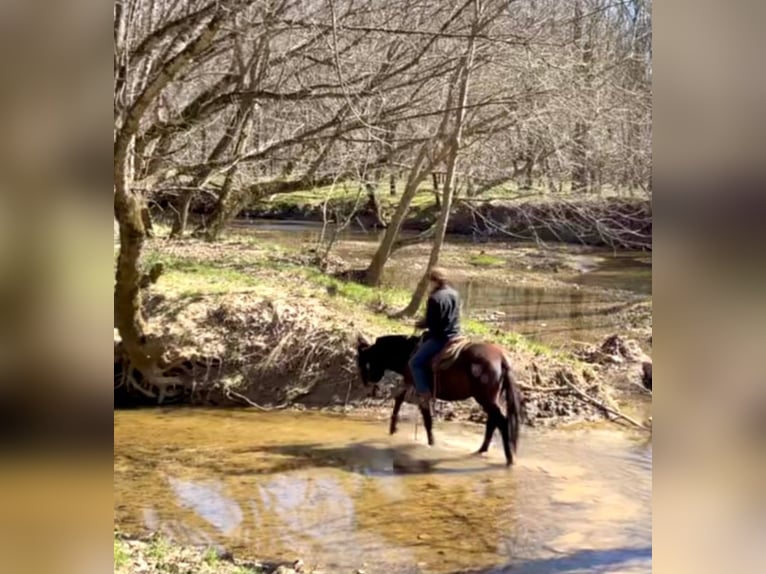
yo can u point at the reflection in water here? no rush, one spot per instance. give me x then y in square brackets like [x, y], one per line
[208, 501]
[263, 485]
[554, 315]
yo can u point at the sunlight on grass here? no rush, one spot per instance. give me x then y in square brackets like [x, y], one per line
[120, 554]
[484, 260]
[265, 272]
[210, 556]
[343, 195]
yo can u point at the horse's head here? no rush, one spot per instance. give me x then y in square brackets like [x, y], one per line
[371, 367]
[387, 353]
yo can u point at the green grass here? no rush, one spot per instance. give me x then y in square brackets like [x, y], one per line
[189, 278]
[120, 554]
[165, 557]
[343, 195]
[484, 260]
[210, 557]
[158, 549]
[264, 271]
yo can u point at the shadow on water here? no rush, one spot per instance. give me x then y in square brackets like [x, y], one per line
[371, 459]
[342, 495]
[581, 561]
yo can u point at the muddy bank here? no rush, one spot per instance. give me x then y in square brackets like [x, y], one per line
[619, 223]
[622, 223]
[278, 339]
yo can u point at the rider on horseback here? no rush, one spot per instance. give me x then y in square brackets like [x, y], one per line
[443, 323]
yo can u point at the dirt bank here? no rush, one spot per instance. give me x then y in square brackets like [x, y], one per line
[612, 222]
[271, 334]
[623, 223]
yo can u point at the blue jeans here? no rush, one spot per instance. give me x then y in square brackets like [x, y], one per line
[420, 364]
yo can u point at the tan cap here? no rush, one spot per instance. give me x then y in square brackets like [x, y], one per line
[438, 275]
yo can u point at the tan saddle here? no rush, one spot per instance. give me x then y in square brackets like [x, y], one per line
[449, 354]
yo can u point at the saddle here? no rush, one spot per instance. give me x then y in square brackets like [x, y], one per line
[449, 354]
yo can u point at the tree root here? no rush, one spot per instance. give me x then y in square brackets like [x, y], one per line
[566, 379]
[167, 382]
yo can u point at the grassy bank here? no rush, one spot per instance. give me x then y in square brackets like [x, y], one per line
[278, 332]
[157, 555]
[245, 265]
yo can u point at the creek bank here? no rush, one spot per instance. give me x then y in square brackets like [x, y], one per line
[278, 336]
[154, 554]
[621, 223]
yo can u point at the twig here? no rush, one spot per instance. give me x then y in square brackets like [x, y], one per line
[348, 394]
[243, 398]
[534, 389]
[563, 377]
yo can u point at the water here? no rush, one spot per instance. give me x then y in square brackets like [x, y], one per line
[342, 495]
[583, 306]
[553, 315]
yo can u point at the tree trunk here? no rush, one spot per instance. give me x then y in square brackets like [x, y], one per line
[146, 219]
[374, 272]
[449, 184]
[423, 165]
[528, 180]
[580, 171]
[392, 184]
[437, 199]
[128, 316]
[225, 208]
[181, 220]
[579, 159]
[374, 207]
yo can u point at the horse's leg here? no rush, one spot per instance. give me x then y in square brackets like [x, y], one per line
[488, 432]
[502, 423]
[495, 419]
[425, 410]
[398, 400]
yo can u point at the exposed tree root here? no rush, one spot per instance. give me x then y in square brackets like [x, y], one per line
[567, 380]
[171, 382]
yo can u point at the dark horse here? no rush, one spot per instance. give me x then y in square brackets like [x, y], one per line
[479, 370]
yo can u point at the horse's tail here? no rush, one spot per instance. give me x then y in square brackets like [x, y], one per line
[512, 403]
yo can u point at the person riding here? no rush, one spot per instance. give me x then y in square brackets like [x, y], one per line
[442, 321]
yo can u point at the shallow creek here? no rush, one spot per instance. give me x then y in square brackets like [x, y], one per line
[581, 304]
[342, 495]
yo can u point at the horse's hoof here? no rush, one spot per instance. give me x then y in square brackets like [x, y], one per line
[392, 430]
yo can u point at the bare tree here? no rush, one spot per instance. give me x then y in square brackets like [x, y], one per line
[453, 149]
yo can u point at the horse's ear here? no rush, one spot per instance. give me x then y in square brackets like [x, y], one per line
[362, 342]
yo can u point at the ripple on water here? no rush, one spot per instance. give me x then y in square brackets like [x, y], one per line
[339, 492]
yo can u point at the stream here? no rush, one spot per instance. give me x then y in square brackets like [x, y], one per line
[342, 495]
[584, 303]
